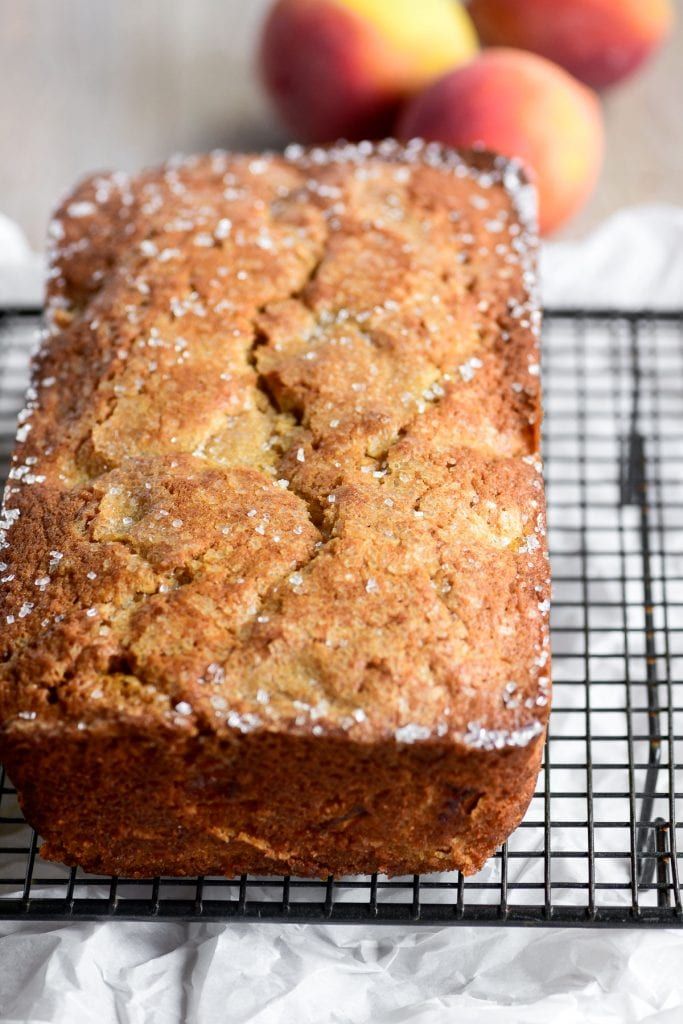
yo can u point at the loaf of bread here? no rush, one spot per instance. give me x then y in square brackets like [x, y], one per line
[274, 577]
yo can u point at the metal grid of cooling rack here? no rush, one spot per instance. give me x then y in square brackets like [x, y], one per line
[599, 844]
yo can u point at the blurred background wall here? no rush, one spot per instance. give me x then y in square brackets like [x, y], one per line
[88, 84]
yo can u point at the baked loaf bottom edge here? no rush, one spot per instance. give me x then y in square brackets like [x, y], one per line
[135, 802]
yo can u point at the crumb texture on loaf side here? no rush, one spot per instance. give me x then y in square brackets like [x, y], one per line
[278, 471]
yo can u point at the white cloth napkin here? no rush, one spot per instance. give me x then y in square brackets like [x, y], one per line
[21, 270]
[633, 261]
[270, 974]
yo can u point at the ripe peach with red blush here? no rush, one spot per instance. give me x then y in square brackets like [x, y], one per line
[341, 68]
[519, 105]
[598, 41]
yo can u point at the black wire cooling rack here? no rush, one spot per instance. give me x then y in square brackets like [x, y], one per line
[599, 844]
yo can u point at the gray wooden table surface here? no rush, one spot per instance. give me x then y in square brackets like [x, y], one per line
[87, 84]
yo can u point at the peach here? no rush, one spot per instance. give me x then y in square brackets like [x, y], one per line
[598, 41]
[520, 105]
[338, 68]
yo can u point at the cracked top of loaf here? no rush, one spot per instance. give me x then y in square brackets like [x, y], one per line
[279, 465]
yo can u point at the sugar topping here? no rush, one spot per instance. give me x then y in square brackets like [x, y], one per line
[241, 286]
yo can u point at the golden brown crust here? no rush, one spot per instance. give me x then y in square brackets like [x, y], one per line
[277, 494]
